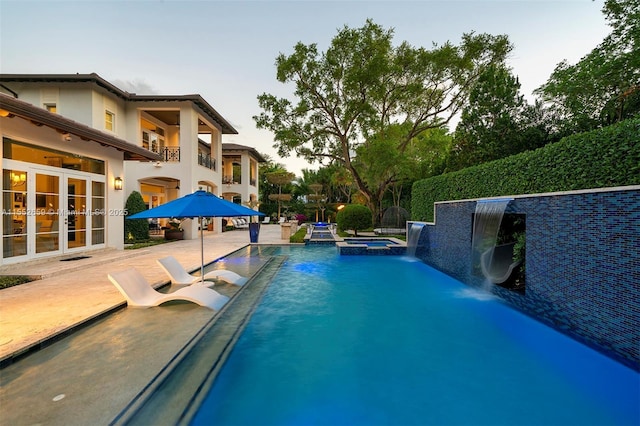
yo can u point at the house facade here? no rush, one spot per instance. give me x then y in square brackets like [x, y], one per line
[240, 166]
[87, 143]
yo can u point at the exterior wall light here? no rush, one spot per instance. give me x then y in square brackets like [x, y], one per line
[117, 184]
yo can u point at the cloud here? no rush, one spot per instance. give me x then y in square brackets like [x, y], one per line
[137, 86]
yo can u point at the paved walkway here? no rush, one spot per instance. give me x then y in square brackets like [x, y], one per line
[73, 292]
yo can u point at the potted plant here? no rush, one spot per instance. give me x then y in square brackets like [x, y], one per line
[175, 231]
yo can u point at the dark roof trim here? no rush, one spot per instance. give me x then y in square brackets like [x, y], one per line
[41, 116]
[197, 100]
[227, 147]
[94, 78]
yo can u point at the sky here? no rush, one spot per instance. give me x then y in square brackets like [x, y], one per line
[225, 51]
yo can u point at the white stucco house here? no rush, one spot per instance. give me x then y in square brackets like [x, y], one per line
[75, 145]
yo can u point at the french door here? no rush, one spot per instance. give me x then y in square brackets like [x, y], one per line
[50, 212]
[62, 212]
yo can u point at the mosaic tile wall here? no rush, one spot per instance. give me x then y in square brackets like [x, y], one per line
[582, 263]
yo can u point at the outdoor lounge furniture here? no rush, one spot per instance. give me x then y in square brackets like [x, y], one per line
[502, 264]
[240, 223]
[390, 231]
[139, 293]
[266, 220]
[181, 276]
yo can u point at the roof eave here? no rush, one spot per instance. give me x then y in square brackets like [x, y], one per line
[40, 116]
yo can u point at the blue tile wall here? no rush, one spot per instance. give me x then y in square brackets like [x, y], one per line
[582, 263]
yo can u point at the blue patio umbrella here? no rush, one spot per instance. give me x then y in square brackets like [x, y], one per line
[198, 204]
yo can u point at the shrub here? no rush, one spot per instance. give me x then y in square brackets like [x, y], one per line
[136, 229]
[354, 216]
[299, 235]
[601, 158]
[7, 281]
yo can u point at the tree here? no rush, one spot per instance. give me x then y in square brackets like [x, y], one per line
[317, 198]
[135, 229]
[280, 178]
[342, 180]
[354, 216]
[363, 84]
[604, 86]
[268, 206]
[498, 122]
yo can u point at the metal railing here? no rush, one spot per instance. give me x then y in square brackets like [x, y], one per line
[171, 154]
[206, 161]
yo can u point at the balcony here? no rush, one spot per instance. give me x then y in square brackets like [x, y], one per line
[206, 161]
[170, 154]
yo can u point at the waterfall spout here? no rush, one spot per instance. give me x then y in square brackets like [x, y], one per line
[413, 237]
[486, 224]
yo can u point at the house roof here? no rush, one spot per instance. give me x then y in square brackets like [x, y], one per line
[93, 78]
[13, 107]
[226, 147]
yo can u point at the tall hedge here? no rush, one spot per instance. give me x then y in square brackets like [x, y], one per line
[136, 229]
[601, 158]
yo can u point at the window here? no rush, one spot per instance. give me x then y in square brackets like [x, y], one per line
[49, 98]
[109, 120]
[98, 212]
[153, 141]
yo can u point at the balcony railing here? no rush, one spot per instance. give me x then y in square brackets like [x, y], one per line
[206, 161]
[231, 180]
[171, 154]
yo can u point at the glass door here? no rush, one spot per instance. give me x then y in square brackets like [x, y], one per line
[47, 212]
[76, 214]
[61, 210]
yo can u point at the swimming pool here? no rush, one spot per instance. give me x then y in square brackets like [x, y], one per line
[385, 340]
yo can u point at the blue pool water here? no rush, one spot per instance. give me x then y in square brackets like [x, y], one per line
[388, 341]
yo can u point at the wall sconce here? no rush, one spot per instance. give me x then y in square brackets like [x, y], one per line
[117, 184]
[66, 137]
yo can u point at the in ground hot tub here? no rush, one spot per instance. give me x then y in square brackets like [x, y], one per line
[371, 246]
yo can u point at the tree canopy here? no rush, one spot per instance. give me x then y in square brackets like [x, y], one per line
[363, 89]
[604, 86]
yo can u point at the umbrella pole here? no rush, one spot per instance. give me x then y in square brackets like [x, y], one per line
[201, 251]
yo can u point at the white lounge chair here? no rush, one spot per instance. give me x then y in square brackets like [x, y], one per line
[139, 293]
[181, 276]
[266, 220]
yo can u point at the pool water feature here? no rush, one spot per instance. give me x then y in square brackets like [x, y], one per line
[413, 236]
[389, 340]
[382, 242]
[321, 233]
[371, 246]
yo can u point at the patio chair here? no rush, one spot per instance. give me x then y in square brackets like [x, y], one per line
[139, 293]
[181, 276]
[266, 220]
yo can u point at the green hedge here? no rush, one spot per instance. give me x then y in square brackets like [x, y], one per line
[601, 158]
